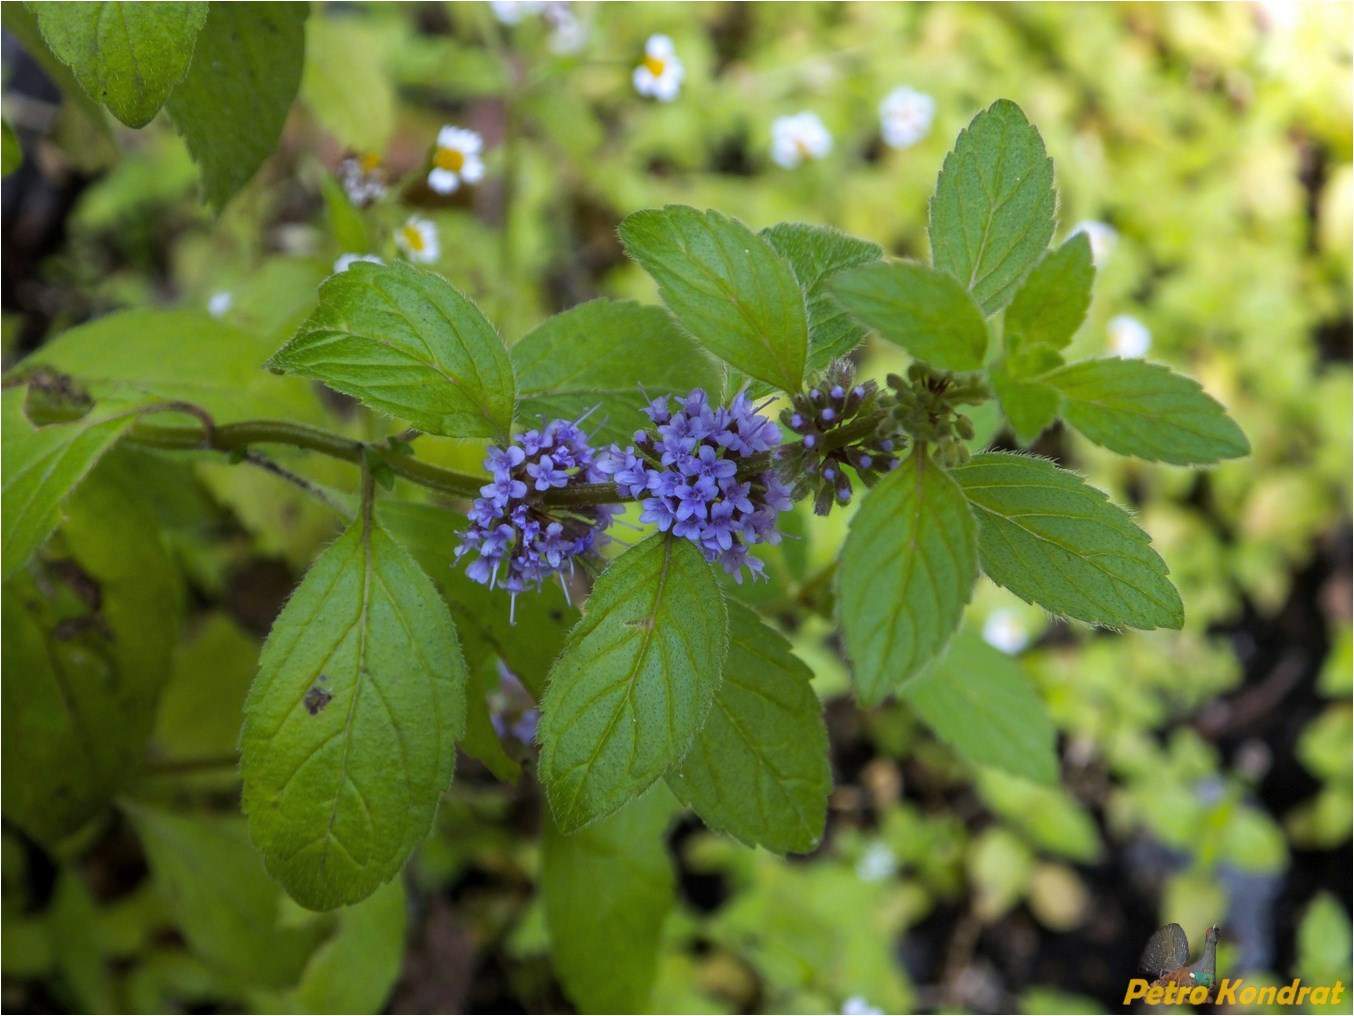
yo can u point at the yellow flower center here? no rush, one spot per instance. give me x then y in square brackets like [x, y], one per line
[449, 158]
[654, 66]
[370, 161]
[413, 239]
[802, 147]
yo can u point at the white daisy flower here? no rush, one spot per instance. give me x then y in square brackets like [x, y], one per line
[1128, 337]
[905, 116]
[1103, 237]
[511, 12]
[1004, 630]
[857, 1006]
[417, 238]
[220, 303]
[795, 139]
[345, 260]
[456, 160]
[659, 76]
[362, 178]
[877, 863]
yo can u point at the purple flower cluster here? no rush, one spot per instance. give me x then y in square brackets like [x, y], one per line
[684, 471]
[519, 540]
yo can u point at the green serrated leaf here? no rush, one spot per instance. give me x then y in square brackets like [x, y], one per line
[758, 769]
[608, 889]
[816, 254]
[1029, 406]
[232, 104]
[907, 569]
[1144, 409]
[222, 900]
[356, 969]
[979, 702]
[992, 214]
[1052, 539]
[603, 356]
[1052, 303]
[635, 681]
[42, 466]
[350, 727]
[727, 286]
[346, 84]
[178, 355]
[11, 152]
[126, 56]
[925, 311]
[485, 622]
[408, 343]
[88, 638]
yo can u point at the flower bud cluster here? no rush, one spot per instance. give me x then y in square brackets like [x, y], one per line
[685, 471]
[924, 406]
[816, 465]
[519, 540]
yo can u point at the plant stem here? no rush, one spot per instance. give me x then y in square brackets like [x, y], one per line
[239, 439]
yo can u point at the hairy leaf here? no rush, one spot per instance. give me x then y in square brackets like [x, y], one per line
[758, 769]
[89, 631]
[1028, 405]
[231, 106]
[1051, 304]
[1144, 409]
[350, 727]
[816, 254]
[979, 702]
[42, 466]
[221, 898]
[727, 286]
[406, 342]
[907, 569]
[607, 890]
[1054, 540]
[992, 214]
[635, 681]
[925, 311]
[126, 56]
[602, 357]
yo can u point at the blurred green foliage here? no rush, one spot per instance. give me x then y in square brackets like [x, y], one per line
[1214, 139]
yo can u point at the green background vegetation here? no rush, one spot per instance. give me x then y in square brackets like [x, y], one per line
[1206, 773]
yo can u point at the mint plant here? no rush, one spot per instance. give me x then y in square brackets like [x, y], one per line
[698, 424]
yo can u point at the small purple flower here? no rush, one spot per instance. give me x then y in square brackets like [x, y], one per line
[517, 539]
[690, 463]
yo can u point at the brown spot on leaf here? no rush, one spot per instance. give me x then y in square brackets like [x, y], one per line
[316, 699]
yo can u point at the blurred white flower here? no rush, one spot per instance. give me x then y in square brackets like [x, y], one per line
[1103, 237]
[1004, 630]
[857, 1006]
[220, 303]
[362, 178]
[659, 75]
[567, 32]
[345, 260]
[1128, 337]
[877, 863]
[417, 238]
[797, 138]
[905, 116]
[511, 12]
[456, 160]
